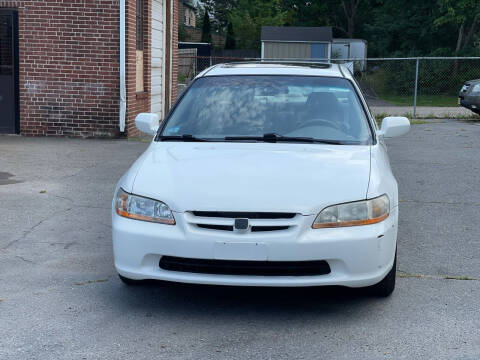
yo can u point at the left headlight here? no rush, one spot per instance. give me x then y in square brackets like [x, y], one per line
[356, 213]
[141, 208]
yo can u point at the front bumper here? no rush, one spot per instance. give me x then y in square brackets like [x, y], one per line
[358, 256]
[469, 102]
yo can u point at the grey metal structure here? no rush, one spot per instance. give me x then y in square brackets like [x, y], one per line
[296, 34]
[289, 42]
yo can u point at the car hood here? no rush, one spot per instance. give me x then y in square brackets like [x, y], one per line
[278, 177]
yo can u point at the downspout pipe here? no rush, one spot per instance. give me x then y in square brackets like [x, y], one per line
[123, 91]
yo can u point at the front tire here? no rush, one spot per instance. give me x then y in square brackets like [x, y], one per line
[130, 282]
[385, 287]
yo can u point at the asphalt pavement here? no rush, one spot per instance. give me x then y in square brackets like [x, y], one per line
[60, 297]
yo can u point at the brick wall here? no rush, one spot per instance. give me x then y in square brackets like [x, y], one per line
[137, 102]
[140, 102]
[174, 70]
[68, 66]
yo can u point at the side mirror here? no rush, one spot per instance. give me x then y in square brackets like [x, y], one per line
[393, 126]
[147, 123]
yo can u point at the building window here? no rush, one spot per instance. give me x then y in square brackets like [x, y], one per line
[140, 38]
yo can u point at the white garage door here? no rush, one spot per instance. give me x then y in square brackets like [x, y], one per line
[158, 57]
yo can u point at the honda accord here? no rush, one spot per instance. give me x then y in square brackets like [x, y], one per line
[262, 174]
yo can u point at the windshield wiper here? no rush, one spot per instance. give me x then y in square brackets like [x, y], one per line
[272, 137]
[269, 137]
[184, 137]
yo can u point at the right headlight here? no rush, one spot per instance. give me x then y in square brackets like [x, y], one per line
[356, 213]
[142, 208]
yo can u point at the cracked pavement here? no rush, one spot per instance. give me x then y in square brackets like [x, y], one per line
[60, 297]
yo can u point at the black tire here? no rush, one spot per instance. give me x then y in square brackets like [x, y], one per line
[385, 287]
[130, 282]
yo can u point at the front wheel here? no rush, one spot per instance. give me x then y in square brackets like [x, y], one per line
[385, 287]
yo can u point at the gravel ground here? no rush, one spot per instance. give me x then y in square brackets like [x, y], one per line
[61, 299]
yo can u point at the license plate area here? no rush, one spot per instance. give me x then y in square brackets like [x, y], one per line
[240, 251]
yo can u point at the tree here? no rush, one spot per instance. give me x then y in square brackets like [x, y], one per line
[200, 14]
[230, 42]
[305, 13]
[206, 29]
[220, 9]
[182, 33]
[250, 15]
[391, 27]
[350, 9]
[403, 28]
[343, 16]
[464, 15]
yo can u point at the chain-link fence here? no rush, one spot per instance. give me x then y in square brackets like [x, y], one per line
[394, 86]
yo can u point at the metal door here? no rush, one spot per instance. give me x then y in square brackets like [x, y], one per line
[319, 51]
[8, 72]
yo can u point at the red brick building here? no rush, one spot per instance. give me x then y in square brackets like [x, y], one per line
[61, 65]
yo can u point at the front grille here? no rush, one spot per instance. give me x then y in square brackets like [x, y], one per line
[216, 227]
[268, 228]
[253, 229]
[235, 267]
[258, 221]
[244, 215]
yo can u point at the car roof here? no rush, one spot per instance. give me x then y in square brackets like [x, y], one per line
[278, 68]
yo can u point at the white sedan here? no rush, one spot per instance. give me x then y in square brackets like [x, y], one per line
[262, 174]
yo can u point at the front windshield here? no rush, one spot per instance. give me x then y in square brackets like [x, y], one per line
[322, 108]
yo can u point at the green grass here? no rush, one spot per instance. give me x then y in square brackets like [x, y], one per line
[379, 119]
[422, 100]
[182, 79]
[418, 119]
